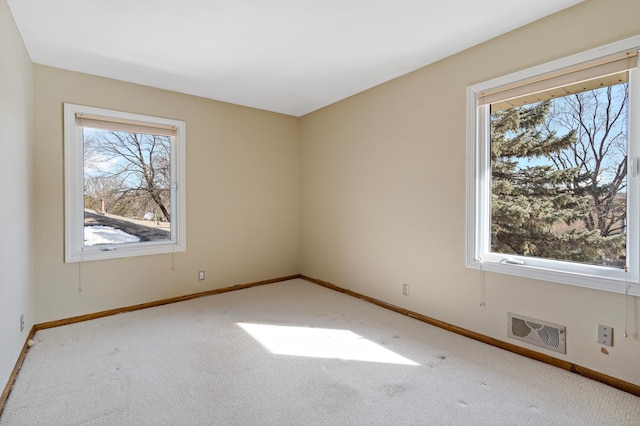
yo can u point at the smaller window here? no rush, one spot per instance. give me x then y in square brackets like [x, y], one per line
[124, 184]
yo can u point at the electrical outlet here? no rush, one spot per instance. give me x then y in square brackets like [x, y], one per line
[200, 275]
[405, 289]
[22, 322]
[605, 335]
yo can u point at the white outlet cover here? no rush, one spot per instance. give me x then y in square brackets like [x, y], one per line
[605, 335]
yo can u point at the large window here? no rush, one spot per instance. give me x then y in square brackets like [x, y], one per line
[124, 184]
[552, 172]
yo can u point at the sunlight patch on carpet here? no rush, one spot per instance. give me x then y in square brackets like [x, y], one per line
[321, 343]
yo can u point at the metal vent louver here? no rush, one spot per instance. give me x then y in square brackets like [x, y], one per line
[537, 332]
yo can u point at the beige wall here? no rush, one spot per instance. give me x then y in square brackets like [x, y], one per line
[16, 145]
[243, 197]
[383, 195]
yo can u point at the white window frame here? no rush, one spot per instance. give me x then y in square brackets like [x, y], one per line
[75, 250]
[478, 232]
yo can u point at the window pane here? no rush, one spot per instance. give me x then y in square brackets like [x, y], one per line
[127, 181]
[559, 178]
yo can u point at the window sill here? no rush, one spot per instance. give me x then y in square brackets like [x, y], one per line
[112, 251]
[611, 285]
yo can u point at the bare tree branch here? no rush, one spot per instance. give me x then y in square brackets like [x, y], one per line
[137, 165]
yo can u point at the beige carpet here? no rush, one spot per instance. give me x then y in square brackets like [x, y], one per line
[292, 353]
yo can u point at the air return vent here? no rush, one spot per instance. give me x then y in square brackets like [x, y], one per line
[537, 332]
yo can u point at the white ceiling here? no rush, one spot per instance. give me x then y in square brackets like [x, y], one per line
[287, 56]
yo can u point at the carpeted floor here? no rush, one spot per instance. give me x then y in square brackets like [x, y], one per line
[292, 353]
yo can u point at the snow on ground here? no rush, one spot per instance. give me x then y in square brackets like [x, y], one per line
[100, 234]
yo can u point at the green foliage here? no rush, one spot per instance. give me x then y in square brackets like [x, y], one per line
[537, 208]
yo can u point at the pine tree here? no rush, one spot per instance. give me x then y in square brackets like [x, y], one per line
[534, 210]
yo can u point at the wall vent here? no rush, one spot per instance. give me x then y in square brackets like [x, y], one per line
[537, 332]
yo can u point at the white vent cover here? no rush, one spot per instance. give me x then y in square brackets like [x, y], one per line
[537, 332]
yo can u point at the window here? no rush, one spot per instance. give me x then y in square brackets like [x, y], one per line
[124, 184]
[552, 171]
